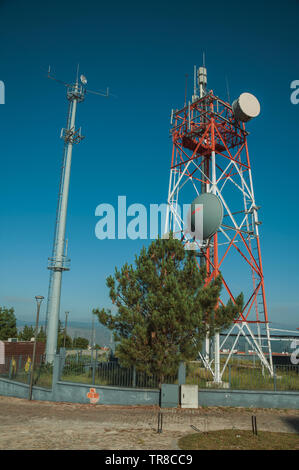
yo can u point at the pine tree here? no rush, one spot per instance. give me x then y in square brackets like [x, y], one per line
[164, 309]
[27, 333]
[80, 343]
[60, 340]
[8, 324]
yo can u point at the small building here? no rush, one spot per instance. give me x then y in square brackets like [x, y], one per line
[19, 353]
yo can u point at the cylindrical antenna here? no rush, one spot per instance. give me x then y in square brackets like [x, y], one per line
[202, 81]
[186, 86]
[227, 89]
[171, 117]
[195, 94]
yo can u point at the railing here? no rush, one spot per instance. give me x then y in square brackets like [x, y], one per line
[94, 369]
[18, 368]
[246, 377]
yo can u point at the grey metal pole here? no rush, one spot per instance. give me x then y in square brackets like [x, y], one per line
[202, 84]
[66, 315]
[75, 95]
[39, 299]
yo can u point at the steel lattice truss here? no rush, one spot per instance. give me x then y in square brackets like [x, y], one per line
[210, 149]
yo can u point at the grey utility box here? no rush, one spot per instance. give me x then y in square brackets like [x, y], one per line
[189, 396]
[169, 396]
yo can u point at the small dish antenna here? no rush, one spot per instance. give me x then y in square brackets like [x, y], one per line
[83, 79]
[246, 107]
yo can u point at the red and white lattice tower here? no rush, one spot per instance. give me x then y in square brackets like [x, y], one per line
[210, 155]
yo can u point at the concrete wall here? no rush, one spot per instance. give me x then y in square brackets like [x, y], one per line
[78, 393]
[249, 399]
[16, 389]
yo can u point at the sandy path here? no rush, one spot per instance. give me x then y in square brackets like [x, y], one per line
[48, 425]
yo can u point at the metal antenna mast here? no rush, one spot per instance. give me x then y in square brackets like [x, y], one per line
[58, 263]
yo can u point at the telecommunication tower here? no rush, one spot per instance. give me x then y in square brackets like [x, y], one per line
[59, 262]
[210, 159]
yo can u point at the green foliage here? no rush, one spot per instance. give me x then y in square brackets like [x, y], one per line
[41, 336]
[8, 324]
[60, 340]
[26, 333]
[60, 337]
[80, 343]
[164, 309]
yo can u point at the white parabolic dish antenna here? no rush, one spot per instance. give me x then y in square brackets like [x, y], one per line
[205, 216]
[246, 107]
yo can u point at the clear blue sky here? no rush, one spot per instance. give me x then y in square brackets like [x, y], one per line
[142, 51]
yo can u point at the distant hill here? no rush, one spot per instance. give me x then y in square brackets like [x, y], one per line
[103, 336]
[79, 328]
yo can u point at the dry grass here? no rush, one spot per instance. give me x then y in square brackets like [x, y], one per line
[233, 439]
[244, 375]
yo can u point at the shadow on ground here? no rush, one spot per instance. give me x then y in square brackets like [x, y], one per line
[292, 421]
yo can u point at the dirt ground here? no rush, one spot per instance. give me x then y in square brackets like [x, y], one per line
[64, 426]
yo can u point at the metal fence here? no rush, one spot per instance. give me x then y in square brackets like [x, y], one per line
[95, 369]
[18, 368]
[246, 377]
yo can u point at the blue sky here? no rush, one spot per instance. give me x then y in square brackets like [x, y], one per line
[142, 51]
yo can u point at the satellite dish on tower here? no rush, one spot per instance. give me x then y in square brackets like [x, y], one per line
[83, 79]
[205, 216]
[246, 107]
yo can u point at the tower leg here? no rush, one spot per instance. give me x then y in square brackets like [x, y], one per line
[207, 348]
[217, 376]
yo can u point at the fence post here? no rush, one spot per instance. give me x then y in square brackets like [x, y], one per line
[94, 361]
[134, 377]
[274, 378]
[10, 369]
[56, 374]
[182, 373]
[20, 363]
[230, 375]
[62, 354]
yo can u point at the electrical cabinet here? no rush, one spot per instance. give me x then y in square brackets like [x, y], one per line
[189, 396]
[169, 396]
